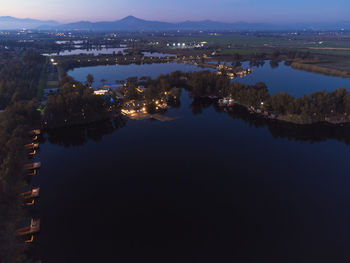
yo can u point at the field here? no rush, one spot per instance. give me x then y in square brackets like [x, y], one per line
[330, 49]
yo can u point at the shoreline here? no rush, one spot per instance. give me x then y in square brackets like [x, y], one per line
[264, 114]
[283, 119]
[323, 70]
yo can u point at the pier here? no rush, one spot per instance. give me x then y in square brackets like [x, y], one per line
[33, 228]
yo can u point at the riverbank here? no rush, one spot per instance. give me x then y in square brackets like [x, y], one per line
[315, 68]
[287, 118]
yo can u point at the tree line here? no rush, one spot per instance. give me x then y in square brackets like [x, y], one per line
[75, 103]
[303, 110]
[306, 109]
[19, 78]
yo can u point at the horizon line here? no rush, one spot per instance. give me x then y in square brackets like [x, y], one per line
[174, 22]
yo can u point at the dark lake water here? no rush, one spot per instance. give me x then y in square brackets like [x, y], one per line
[209, 186]
[281, 78]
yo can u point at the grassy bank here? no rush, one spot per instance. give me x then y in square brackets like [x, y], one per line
[320, 70]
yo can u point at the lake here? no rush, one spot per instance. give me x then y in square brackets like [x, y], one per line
[112, 73]
[94, 51]
[210, 186]
[295, 82]
[281, 78]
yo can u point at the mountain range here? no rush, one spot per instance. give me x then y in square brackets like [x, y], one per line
[12, 23]
[131, 23]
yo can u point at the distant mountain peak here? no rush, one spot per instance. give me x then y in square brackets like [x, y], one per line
[131, 18]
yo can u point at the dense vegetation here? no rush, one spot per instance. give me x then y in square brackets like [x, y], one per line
[70, 62]
[15, 123]
[19, 78]
[307, 109]
[18, 83]
[75, 103]
[321, 70]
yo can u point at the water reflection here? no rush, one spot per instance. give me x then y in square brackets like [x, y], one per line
[303, 133]
[80, 135]
[274, 63]
[257, 63]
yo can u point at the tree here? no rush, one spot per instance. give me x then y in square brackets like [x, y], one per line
[131, 92]
[89, 80]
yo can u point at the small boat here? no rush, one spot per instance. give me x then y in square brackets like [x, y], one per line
[31, 166]
[34, 193]
[33, 153]
[29, 203]
[225, 101]
[31, 146]
[231, 103]
[30, 240]
[32, 173]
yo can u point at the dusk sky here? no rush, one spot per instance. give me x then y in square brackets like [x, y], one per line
[180, 10]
